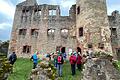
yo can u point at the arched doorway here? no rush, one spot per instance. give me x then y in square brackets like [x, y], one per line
[63, 49]
[78, 49]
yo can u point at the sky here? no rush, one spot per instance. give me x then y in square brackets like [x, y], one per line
[7, 10]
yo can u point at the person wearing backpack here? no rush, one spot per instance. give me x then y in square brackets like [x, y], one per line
[79, 61]
[35, 60]
[12, 58]
[72, 62]
[60, 62]
[55, 59]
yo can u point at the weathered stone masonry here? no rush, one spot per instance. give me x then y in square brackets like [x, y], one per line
[41, 27]
[92, 25]
[114, 21]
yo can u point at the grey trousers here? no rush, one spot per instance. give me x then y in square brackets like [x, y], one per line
[59, 69]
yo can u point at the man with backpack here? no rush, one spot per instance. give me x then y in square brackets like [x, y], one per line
[60, 62]
[12, 58]
[72, 62]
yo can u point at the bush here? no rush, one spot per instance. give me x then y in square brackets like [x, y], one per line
[103, 55]
[5, 67]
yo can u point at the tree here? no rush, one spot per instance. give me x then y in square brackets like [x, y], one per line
[4, 46]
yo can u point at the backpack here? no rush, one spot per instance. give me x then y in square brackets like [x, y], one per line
[59, 59]
[73, 60]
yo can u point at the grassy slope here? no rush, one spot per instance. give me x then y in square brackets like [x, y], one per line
[21, 70]
[67, 73]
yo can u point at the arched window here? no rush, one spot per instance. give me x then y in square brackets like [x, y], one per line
[64, 33]
[51, 31]
[51, 34]
[34, 32]
[64, 30]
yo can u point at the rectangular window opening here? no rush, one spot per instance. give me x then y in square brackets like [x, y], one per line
[22, 31]
[78, 10]
[81, 31]
[26, 49]
[40, 12]
[113, 32]
[101, 45]
[34, 33]
[52, 12]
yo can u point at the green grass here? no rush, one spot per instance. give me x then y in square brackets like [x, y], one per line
[67, 73]
[22, 69]
[118, 65]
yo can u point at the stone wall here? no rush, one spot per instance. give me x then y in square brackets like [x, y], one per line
[92, 25]
[44, 71]
[114, 21]
[51, 29]
[100, 69]
[45, 29]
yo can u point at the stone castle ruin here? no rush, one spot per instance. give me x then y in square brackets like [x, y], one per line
[42, 28]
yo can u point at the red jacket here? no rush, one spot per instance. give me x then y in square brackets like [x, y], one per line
[72, 59]
[79, 58]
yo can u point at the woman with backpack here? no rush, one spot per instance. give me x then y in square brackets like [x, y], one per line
[79, 61]
[72, 62]
[60, 62]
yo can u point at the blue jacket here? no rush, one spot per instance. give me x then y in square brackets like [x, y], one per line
[35, 58]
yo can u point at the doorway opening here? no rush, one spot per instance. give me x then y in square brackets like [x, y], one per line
[58, 48]
[63, 49]
[78, 49]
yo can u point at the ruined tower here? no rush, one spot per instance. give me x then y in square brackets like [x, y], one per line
[114, 21]
[92, 25]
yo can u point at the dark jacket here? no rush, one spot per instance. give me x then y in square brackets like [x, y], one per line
[12, 58]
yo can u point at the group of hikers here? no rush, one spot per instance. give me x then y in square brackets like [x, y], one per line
[76, 60]
[59, 58]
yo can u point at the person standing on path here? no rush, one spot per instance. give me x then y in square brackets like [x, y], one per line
[35, 60]
[55, 59]
[60, 62]
[12, 58]
[73, 62]
[79, 61]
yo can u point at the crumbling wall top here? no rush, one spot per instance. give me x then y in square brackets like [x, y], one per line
[28, 3]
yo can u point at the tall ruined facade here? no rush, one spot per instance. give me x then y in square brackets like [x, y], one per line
[92, 25]
[42, 28]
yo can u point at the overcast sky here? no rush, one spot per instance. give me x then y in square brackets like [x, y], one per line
[7, 9]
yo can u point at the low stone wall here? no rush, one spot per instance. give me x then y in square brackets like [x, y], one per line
[99, 69]
[44, 71]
